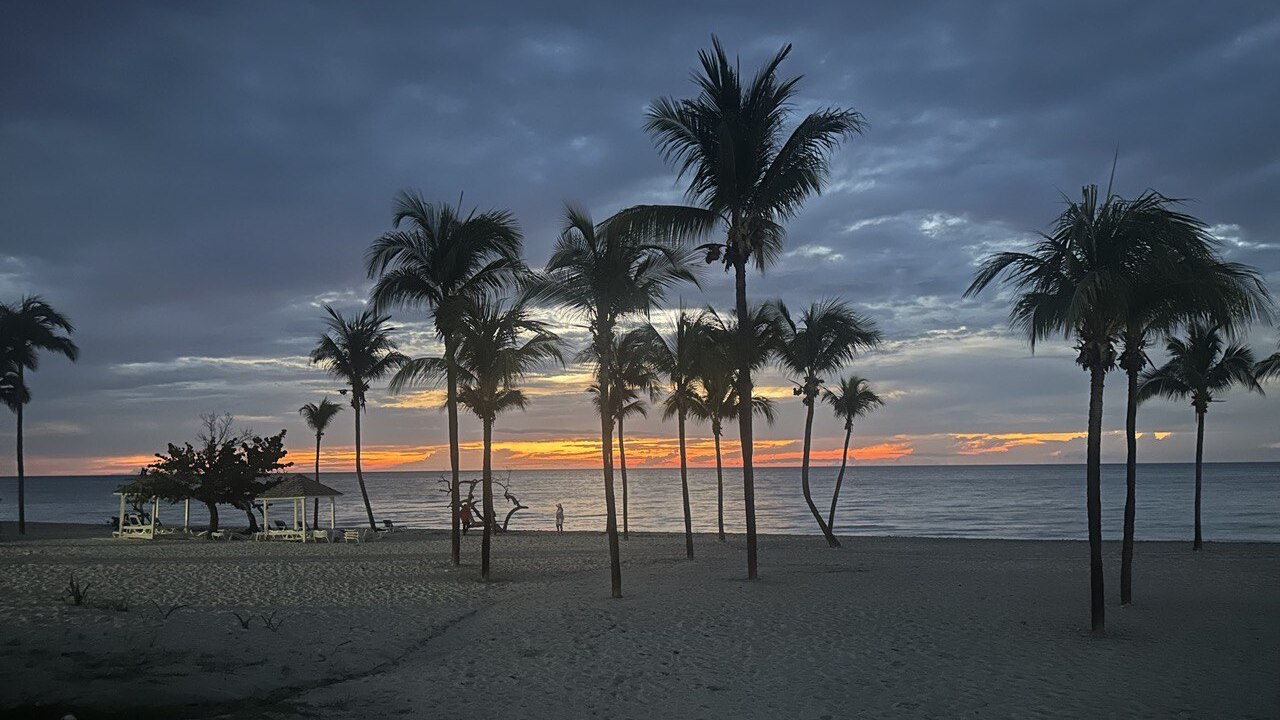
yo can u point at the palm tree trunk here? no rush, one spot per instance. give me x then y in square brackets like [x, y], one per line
[622, 464]
[844, 462]
[451, 403]
[487, 497]
[22, 475]
[804, 477]
[1199, 541]
[360, 474]
[1093, 478]
[719, 488]
[606, 456]
[1130, 487]
[315, 502]
[744, 418]
[684, 491]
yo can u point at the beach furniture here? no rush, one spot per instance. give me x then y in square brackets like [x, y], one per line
[294, 489]
[351, 536]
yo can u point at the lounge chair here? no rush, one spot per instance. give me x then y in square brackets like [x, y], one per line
[351, 536]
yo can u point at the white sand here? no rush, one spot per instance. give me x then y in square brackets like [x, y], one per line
[883, 628]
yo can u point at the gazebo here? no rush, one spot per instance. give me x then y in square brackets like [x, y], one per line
[296, 488]
[129, 525]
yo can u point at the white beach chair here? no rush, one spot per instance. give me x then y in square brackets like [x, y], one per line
[351, 536]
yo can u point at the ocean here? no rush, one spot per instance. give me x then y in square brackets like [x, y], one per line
[1038, 502]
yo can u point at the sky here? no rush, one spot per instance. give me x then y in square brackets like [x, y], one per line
[190, 182]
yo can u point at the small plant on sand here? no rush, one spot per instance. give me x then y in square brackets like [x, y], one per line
[164, 611]
[272, 622]
[76, 592]
[243, 620]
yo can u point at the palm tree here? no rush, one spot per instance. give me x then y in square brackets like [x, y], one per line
[633, 377]
[26, 329]
[853, 399]
[1078, 281]
[496, 347]
[1186, 281]
[1200, 368]
[677, 356]
[438, 259]
[317, 418]
[718, 402]
[606, 274]
[818, 343]
[358, 351]
[1269, 367]
[747, 175]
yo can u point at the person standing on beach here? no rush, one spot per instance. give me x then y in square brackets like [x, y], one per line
[559, 517]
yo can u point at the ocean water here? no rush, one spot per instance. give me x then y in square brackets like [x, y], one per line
[1241, 500]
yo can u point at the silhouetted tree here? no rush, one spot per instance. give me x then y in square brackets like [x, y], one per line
[853, 399]
[317, 418]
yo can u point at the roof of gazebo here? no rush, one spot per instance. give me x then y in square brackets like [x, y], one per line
[295, 485]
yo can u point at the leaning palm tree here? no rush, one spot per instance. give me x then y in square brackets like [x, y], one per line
[26, 329]
[718, 402]
[358, 350]
[677, 357]
[439, 259]
[1078, 282]
[318, 417]
[853, 399]
[497, 346]
[747, 175]
[816, 344]
[1186, 280]
[1200, 368]
[606, 274]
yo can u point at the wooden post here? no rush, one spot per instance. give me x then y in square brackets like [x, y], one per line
[303, 513]
[155, 510]
[186, 515]
[265, 534]
[333, 513]
[120, 519]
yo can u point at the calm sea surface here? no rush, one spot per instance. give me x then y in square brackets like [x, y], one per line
[1241, 500]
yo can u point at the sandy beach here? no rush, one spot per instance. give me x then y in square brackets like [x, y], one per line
[887, 627]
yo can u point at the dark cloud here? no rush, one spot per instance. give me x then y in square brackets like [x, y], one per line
[191, 181]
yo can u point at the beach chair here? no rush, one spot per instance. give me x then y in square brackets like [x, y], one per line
[351, 536]
[388, 527]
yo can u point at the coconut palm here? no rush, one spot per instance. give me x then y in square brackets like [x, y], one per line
[318, 417]
[812, 346]
[26, 329]
[1187, 280]
[496, 347]
[438, 259]
[1078, 281]
[747, 175]
[853, 399]
[718, 402]
[634, 378]
[1268, 368]
[605, 274]
[1201, 367]
[677, 356]
[358, 351]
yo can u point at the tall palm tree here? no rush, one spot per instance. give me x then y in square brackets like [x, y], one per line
[718, 402]
[606, 274]
[823, 338]
[853, 399]
[497, 347]
[439, 259]
[1200, 368]
[317, 418]
[26, 329]
[1187, 280]
[358, 351]
[633, 379]
[1078, 281]
[677, 357]
[747, 175]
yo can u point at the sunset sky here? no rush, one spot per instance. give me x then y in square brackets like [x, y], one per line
[190, 182]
